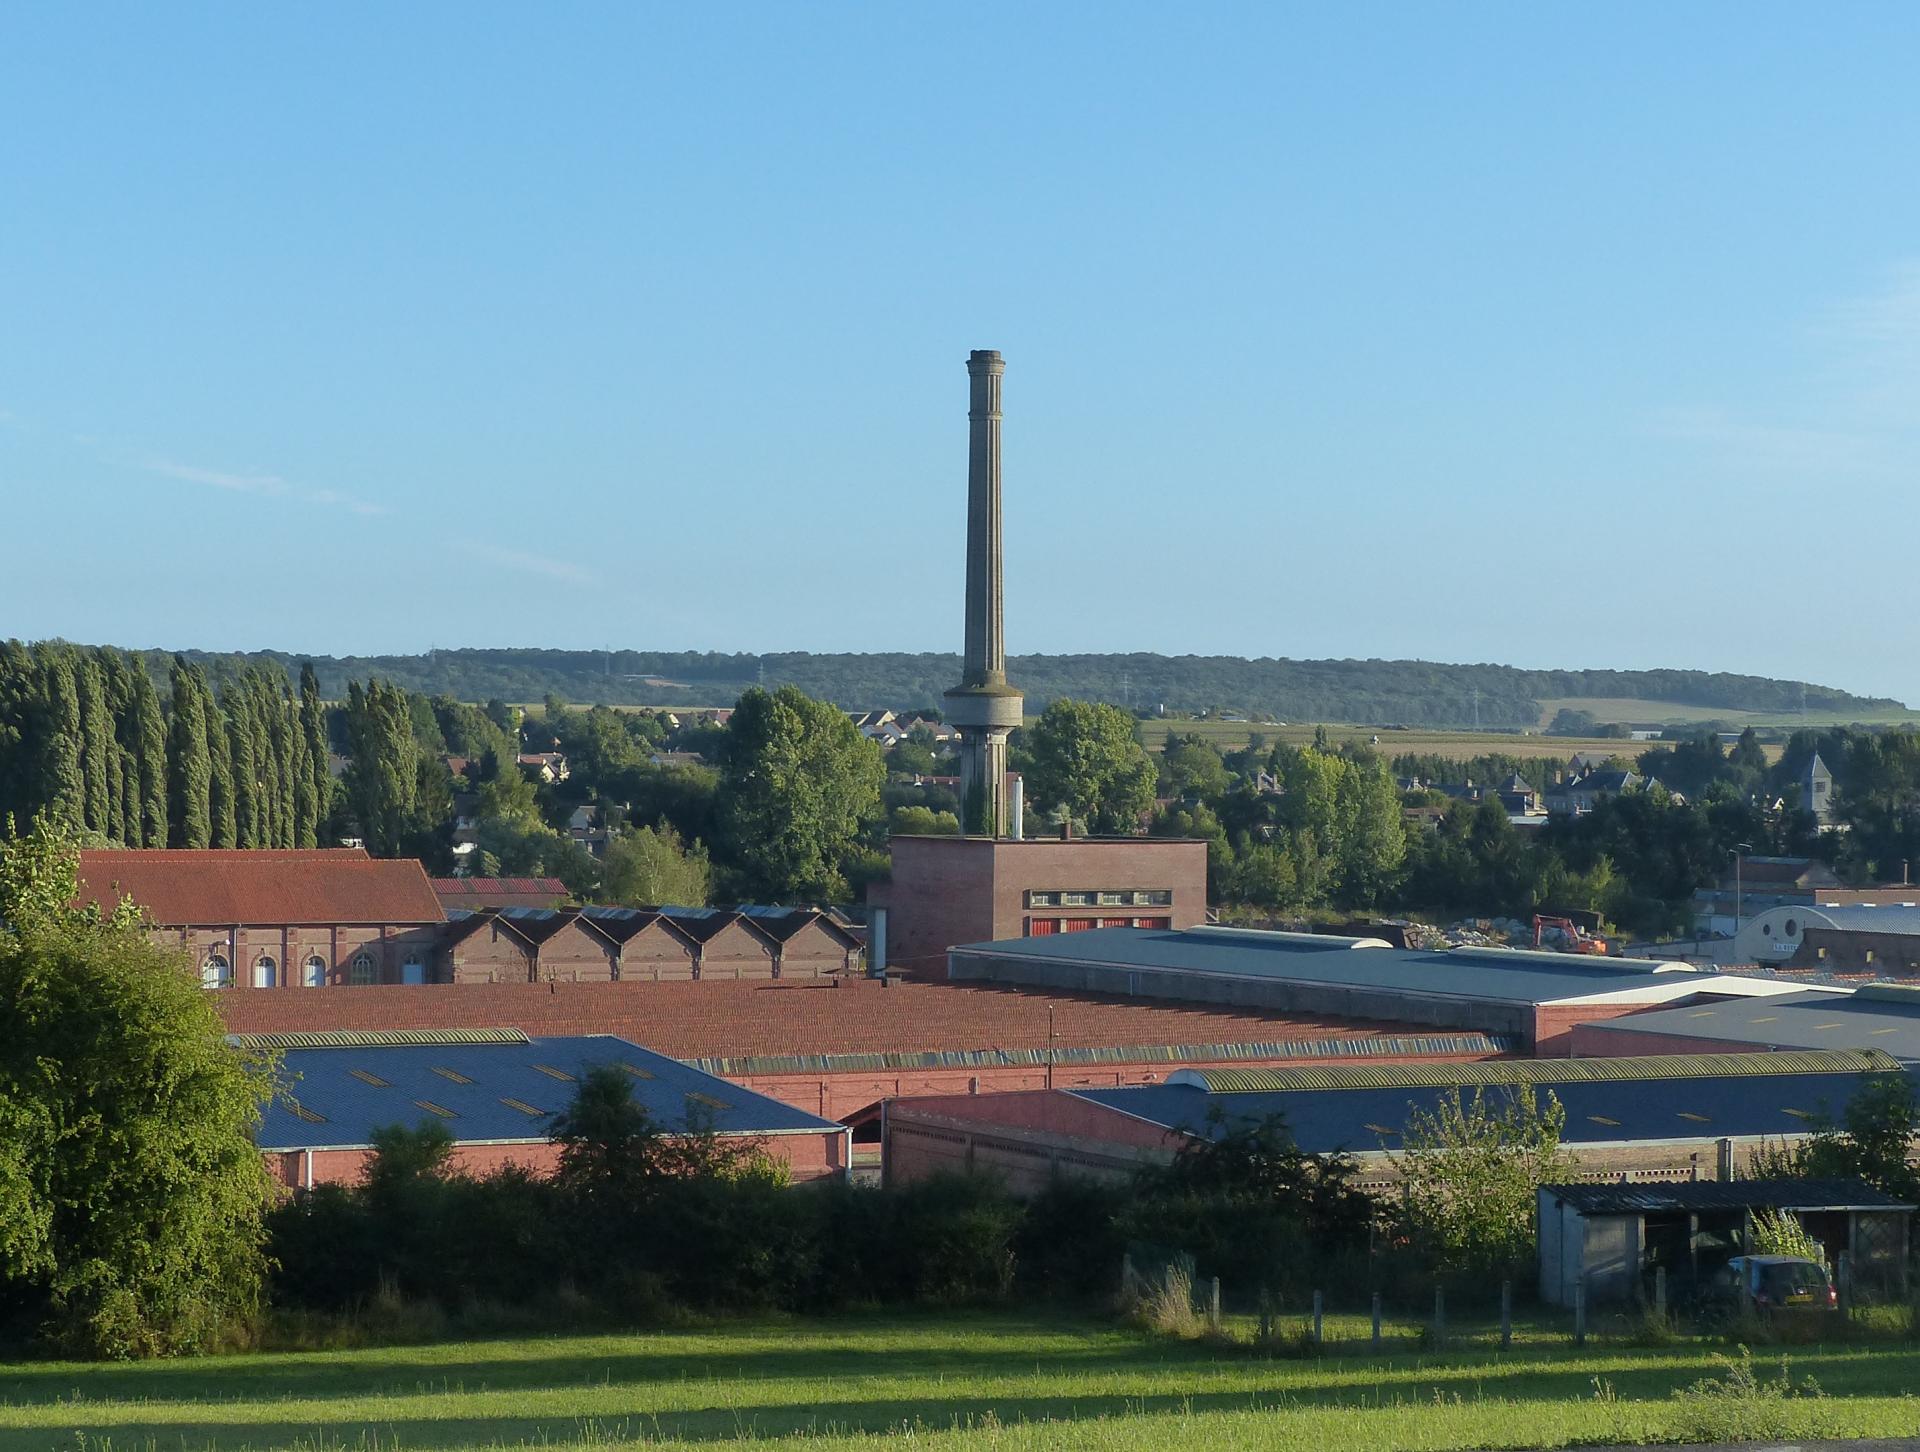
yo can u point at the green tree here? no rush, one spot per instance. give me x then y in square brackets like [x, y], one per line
[131, 1193]
[313, 731]
[918, 821]
[383, 765]
[798, 786]
[63, 785]
[1376, 844]
[189, 764]
[222, 806]
[1469, 1171]
[652, 866]
[1192, 764]
[150, 729]
[1870, 1140]
[1086, 761]
[99, 753]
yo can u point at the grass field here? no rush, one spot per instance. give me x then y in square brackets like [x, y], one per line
[932, 1380]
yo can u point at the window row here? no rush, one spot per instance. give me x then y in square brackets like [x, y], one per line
[1126, 897]
[1046, 927]
[217, 972]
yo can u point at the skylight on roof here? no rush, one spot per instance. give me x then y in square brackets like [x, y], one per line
[439, 1109]
[553, 1073]
[709, 1101]
[300, 1111]
[636, 1070]
[366, 1078]
[524, 1107]
[1696, 1118]
[1602, 1119]
[1797, 1113]
[453, 1074]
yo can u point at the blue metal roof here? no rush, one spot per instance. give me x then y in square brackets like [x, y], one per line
[1324, 1121]
[1489, 975]
[1893, 918]
[337, 1097]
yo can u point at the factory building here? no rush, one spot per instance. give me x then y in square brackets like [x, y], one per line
[1535, 999]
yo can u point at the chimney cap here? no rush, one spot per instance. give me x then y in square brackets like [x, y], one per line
[985, 360]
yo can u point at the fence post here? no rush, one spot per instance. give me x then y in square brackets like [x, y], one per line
[1127, 1284]
[1843, 1281]
[1439, 1315]
[1213, 1305]
[1660, 1291]
[1319, 1306]
[1376, 1320]
[1506, 1315]
[1266, 1316]
[1580, 1313]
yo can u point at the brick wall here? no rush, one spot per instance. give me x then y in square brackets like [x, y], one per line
[948, 890]
[1554, 1024]
[807, 1156]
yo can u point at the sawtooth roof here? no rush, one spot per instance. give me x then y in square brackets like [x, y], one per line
[187, 887]
[1880, 1016]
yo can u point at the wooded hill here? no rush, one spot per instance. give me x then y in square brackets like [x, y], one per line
[1382, 692]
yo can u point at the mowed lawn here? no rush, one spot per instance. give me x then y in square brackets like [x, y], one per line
[933, 1380]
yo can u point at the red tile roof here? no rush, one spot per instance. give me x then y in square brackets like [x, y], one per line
[318, 885]
[477, 892]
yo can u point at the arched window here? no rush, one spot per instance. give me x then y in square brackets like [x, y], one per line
[362, 973]
[216, 972]
[316, 972]
[413, 971]
[266, 972]
[1792, 927]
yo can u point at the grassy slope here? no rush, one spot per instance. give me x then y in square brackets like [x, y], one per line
[1459, 745]
[1668, 713]
[944, 1380]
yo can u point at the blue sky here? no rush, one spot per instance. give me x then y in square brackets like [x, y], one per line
[1533, 334]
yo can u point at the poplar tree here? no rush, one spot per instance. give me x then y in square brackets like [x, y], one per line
[150, 731]
[61, 787]
[119, 683]
[313, 727]
[189, 763]
[281, 734]
[220, 803]
[238, 710]
[99, 758]
[382, 778]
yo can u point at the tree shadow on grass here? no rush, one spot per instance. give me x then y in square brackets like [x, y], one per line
[615, 1418]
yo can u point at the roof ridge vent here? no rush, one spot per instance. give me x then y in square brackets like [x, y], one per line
[1274, 935]
[375, 1038]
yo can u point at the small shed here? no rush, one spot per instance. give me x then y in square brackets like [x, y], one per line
[1613, 1237]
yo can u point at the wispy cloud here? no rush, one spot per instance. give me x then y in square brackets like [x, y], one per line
[1856, 383]
[1754, 445]
[529, 563]
[268, 485]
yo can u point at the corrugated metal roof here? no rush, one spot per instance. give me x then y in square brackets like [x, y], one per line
[1892, 918]
[1707, 1195]
[1487, 975]
[375, 1038]
[1598, 1111]
[337, 1097]
[1535, 1071]
[1063, 1056]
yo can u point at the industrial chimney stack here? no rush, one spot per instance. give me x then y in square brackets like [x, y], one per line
[983, 707]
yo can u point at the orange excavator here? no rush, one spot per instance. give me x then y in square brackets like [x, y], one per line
[1579, 940]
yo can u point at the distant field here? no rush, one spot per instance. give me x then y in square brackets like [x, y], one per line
[935, 1380]
[1628, 710]
[1456, 745]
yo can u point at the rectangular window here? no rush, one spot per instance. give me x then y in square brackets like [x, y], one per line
[1869, 955]
[1076, 899]
[1153, 922]
[1042, 927]
[1078, 925]
[1116, 922]
[1043, 899]
[1159, 897]
[1113, 899]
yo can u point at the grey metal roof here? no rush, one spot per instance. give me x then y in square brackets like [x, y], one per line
[1499, 975]
[1709, 1195]
[1813, 1020]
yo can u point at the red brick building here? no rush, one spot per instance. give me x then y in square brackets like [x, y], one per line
[316, 918]
[950, 890]
[644, 945]
[471, 894]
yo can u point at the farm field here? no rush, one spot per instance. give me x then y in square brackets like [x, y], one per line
[1669, 713]
[942, 1380]
[1230, 735]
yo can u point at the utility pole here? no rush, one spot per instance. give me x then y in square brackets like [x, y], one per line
[1049, 1045]
[1738, 852]
[1476, 708]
